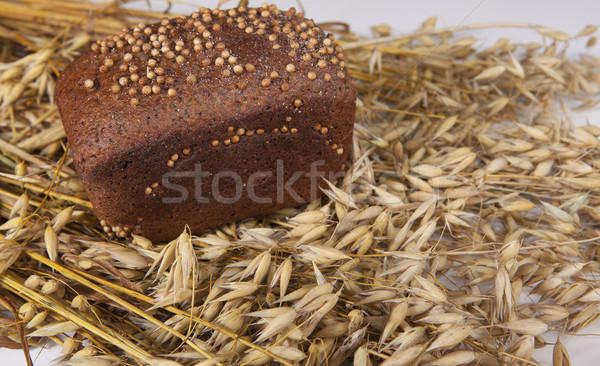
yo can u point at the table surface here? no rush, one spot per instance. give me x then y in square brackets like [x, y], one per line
[405, 16]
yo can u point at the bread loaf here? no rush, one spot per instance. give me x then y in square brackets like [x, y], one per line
[206, 119]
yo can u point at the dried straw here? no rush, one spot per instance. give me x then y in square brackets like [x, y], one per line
[469, 191]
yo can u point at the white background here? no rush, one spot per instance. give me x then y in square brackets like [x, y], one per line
[404, 16]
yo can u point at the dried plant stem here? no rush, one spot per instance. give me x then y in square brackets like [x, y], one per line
[134, 309]
[458, 28]
[14, 150]
[8, 305]
[48, 191]
[79, 276]
[12, 283]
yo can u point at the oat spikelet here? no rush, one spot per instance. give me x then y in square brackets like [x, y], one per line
[51, 241]
[451, 337]
[531, 326]
[454, 359]
[404, 357]
[282, 275]
[560, 356]
[53, 329]
[397, 316]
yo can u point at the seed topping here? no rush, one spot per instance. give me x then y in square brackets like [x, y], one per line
[153, 56]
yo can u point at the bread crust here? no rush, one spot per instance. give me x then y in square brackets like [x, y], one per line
[244, 91]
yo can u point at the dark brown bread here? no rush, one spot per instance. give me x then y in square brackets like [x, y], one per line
[168, 122]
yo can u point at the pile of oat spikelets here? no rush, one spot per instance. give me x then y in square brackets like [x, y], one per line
[465, 229]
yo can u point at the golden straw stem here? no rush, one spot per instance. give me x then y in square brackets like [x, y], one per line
[20, 153]
[372, 42]
[72, 275]
[10, 282]
[7, 304]
[80, 277]
[55, 195]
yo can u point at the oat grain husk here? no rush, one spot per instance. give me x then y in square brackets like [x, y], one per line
[469, 190]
